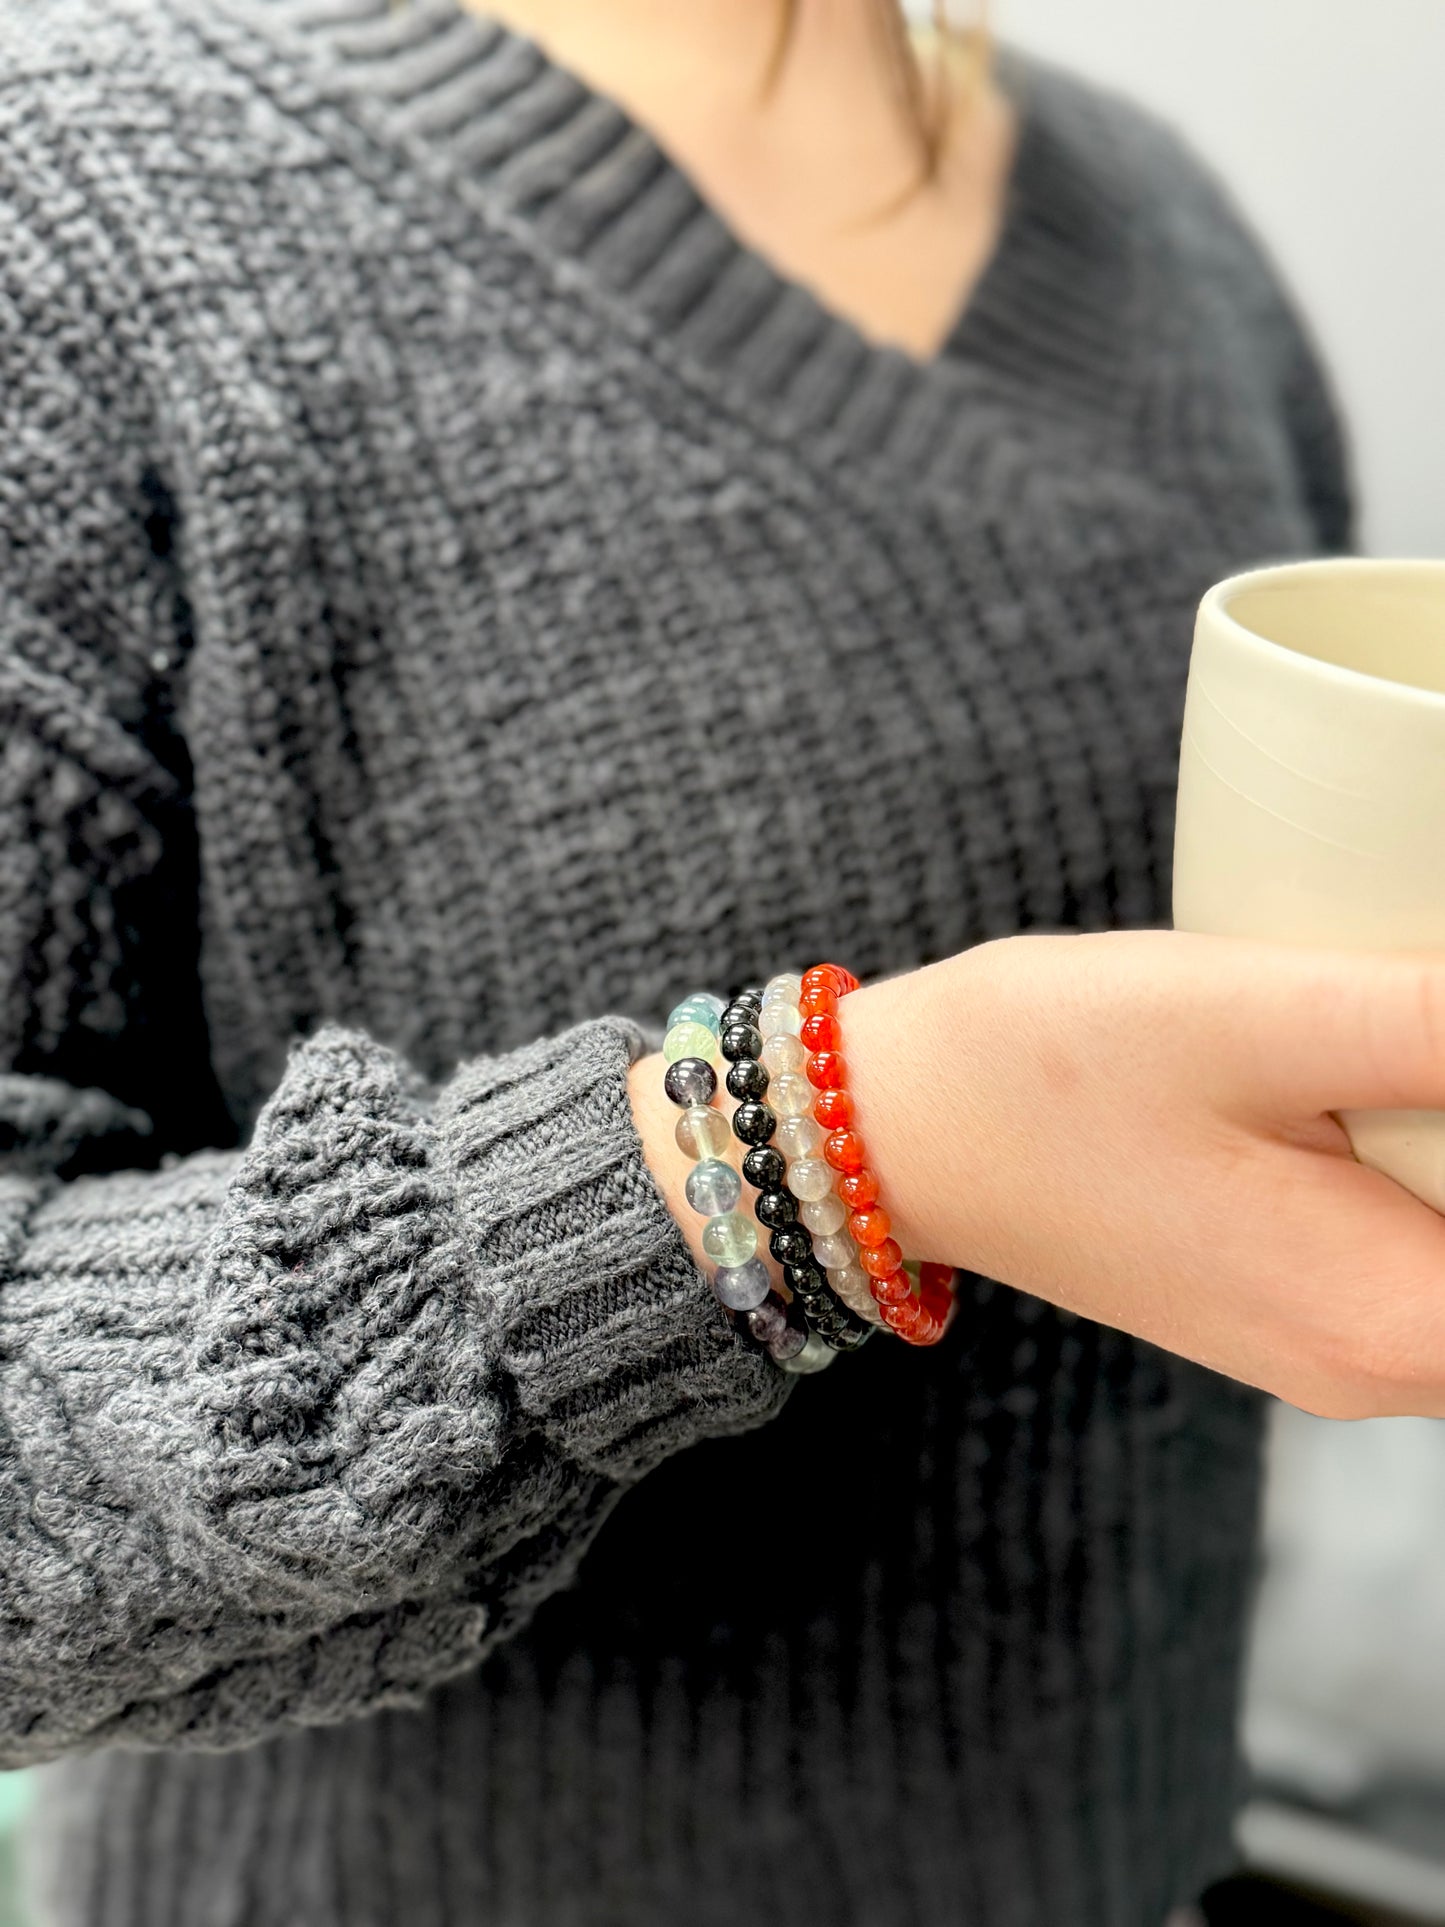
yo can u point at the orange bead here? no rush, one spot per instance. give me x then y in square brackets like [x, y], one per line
[827, 1071]
[824, 976]
[879, 1260]
[859, 1188]
[936, 1275]
[833, 1109]
[870, 1227]
[818, 1000]
[927, 1331]
[902, 1319]
[820, 1033]
[844, 1151]
[895, 1289]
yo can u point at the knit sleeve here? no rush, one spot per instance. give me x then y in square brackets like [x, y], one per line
[294, 1428]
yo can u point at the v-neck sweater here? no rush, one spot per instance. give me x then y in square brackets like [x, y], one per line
[441, 569]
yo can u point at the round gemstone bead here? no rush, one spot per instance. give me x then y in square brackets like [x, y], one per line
[754, 1123]
[774, 1209]
[823, 976]
[792, 1096]
[844, 1151]
[702, 1133]
[730, 1240]
[769, 1320]
[833, 1109]
[787, 983]
[820, 1033]
[790, 1244]
[783, 1053]
[901, 1318]
[742, 1287]
[834, 1251]
[824, 1217]
[764, 1168]
[806, 1278]
[740, 1040]
[852, 1283]
[858, 1190]
[818, 1000]
[827, 1071]
[870, 1227]
[690, 1081]
[747, 1078]
[701, 1009]
[879, 1260]
[893, 1289]
[930, 1274]
[689, 1040]
[780, 1020]
[798, 1137]
[810, 1178]
[854, 1339]
[713, 1187]
[815, 1355]
[737, 1014]
[788, 1343]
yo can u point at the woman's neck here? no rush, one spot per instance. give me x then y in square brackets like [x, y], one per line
[814, 162]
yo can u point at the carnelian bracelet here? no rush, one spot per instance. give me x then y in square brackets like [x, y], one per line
[919, 1320]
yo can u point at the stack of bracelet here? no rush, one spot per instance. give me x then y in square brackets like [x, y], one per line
[920, 1319]
[759, 1041]
[741, 1281]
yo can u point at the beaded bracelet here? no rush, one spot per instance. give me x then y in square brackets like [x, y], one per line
[799, 1139]
[755, 1123]
[741, 1282]
[921, 1320]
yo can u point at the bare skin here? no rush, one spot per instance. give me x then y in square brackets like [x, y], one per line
[1137, 1126]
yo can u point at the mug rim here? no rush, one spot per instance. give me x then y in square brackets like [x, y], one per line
[1215, 602]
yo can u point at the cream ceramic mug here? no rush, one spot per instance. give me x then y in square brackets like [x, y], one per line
[1312, 783]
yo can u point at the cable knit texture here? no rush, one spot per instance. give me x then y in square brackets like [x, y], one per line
[416, 513]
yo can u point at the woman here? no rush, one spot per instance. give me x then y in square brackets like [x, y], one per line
[512, 519]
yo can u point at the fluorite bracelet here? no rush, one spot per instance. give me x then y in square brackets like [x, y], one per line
[919, 1320]
[756, 1123]
[741, 1281]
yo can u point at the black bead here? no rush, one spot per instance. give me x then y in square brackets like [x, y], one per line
[775, 1209]
[747, 1078]
[754, 1123]
[691, 1080]
[791, 1245]
[808, 1276]
[764, 1168]
[741, 1040]
[853, 1339]
[750, 993]
[737, 1014]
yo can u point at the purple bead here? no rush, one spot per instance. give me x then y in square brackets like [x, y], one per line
[690, 1081]
[789, 1342]
[769, 1320]
[742, 1287]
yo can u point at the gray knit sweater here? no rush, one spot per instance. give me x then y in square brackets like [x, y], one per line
[439, 566]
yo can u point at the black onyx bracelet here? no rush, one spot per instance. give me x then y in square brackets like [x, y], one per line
[765, 1168]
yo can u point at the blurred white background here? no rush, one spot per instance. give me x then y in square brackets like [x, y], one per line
[1327, 117]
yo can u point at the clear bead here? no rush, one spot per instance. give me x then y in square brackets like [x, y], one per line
[713, 1187]
[731, 1239]
[824, 1216]
[780, 1020]
[791, 1095]
[783, 1053]
[813, 1356]
[808, 1179]
[703, 1133]
[689, 1040]
[742, 1287]
[787, 983]
[832, 1253]
[851, 1284]
[798, 1137]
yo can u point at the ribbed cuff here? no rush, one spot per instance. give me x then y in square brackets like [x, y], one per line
[618, 1350]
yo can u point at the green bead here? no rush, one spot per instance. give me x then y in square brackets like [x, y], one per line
[690, 1040]
[698, 1010]
[705, 1133]
[730, 1240]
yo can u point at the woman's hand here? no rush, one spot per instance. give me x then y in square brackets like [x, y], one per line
[1136, 1126]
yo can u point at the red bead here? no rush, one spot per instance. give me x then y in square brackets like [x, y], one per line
[937, 1305]
[879, 1260]
[823, 977]
[870, 1227]
[827, 1071]
[927, 1331]
[902, 1319]
[936, 1275]
[820, 1033]
[819, 1000]
[833, 1109]
[859, 1188]
[847, 982]
[844, 1151]
[895, 1289]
